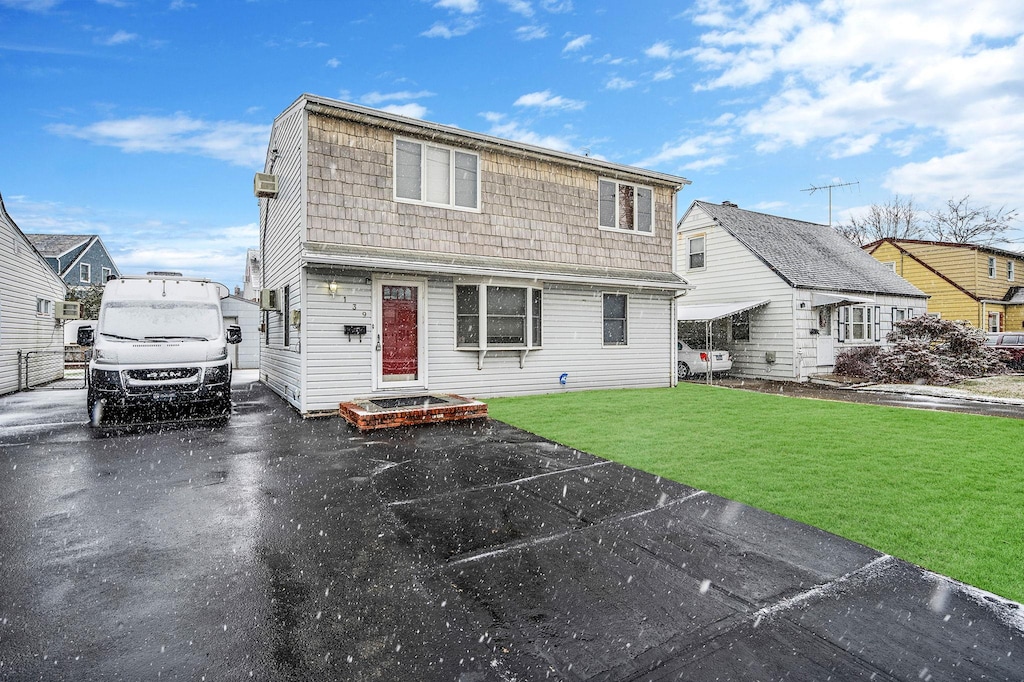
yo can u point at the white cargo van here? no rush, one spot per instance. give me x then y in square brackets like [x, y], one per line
[159, 343]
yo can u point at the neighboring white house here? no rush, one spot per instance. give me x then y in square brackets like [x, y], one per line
[784, 296]
[252, 283]
[245, 314]
[402, 257]
[31, 338]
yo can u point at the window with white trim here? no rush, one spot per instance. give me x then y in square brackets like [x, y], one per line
[616, 332]
[891, 264]
[1009, 271]
[995, 322]
[859, 323]
[437, 176]
[696, 252]
[992, 267]
[624, 206]
[106, 272]
[497, 316]
[44, 306]
[899, 314]
[84, 273]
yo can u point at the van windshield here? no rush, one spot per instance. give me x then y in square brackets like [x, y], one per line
[140, 320]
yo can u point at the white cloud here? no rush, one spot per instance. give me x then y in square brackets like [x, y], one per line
[113, 3]
[545, 100]
[30, 5]
[867, 76]
[513, 130]
[460, 27]
[699, 145]
[617, 83]
[664, 74]
[411, 109]
[464, 6]
[556, 6]
[120, 38]
[374, 98]
[333, 63]
[521, 7]
[181, 4]
[578, 43]
[242, 144]
[663, 50]
[531, 32]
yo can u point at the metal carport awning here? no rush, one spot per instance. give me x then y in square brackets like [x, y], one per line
[709, 312]
[819, 299]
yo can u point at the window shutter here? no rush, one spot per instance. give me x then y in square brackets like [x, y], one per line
[910, 313]
[842, 319]
[878, 323]
[1001, 327]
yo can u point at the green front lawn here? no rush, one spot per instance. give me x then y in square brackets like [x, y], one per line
[942, 490]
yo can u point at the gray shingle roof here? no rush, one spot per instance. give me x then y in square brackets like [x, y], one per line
[808, 255]
[53, 245]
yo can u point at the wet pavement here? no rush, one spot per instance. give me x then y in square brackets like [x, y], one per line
[281, 549]
[920, 397]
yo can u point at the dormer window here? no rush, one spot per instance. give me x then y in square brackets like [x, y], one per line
[623, 206]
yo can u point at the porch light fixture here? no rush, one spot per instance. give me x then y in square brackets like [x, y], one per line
[333, 288]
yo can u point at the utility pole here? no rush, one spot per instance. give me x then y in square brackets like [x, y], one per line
[812, 189]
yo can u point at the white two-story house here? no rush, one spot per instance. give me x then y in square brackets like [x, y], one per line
[401, 257]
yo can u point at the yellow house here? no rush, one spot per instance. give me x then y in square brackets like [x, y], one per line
[979, 284]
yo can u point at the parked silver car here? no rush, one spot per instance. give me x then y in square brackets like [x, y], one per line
[698, 361]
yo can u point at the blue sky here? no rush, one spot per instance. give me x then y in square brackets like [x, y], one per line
[144, 122]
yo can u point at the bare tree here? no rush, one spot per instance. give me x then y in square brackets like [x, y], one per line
[895, 219]
[963, 223]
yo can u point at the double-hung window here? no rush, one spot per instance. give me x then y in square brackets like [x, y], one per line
[84, 273]
[106, 273]
[1009, 271]
[435, 175]
[616, 332]
[859, 323]
[696, 251]
[497, 316]
[992, 267]
[44, 306]
[624, 206]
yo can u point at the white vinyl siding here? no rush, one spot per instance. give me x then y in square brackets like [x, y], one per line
[436, 175]
[25, 280]
[625, 206]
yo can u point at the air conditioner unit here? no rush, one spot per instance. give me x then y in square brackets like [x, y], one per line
[265, 185]
[270, 299]
[68, 310]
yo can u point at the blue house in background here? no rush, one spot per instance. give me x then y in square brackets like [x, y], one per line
[81, 260]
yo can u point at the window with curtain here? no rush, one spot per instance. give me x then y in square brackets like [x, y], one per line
[436, 175]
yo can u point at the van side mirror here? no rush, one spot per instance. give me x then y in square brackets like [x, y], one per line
[85, 336]
[234, 334]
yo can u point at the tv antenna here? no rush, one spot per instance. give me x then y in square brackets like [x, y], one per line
[812, 189]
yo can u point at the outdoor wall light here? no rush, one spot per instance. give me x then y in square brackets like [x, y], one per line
[333, 288]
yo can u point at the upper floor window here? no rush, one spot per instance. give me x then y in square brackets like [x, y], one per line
[992, 267]
[622, 206]
[106, 272]
[1009, 271]
[695, 251]
[509, 317]
[890, 264]
[439, 176]
[84, 272]
[615, 321]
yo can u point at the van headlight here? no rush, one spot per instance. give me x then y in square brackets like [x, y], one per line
[104, 357]
[218, 374]
[220, 354]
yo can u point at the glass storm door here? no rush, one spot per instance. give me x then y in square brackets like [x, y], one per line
[399, 341]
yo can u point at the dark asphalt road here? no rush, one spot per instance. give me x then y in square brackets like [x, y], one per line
[281, 549]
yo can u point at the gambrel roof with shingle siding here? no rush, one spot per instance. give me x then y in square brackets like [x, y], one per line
[808, 255]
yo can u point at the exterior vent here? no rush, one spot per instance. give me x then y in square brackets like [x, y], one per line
[270, 299]
[265, 185]
[68, 310]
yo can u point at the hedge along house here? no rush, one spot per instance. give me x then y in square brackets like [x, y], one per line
[402, 257]
[783, 295]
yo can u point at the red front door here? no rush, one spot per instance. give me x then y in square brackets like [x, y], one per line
[400, 341]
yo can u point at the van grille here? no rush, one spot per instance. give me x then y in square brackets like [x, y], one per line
[163, 374]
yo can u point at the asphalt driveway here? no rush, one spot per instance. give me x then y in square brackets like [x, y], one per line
[281, 549]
